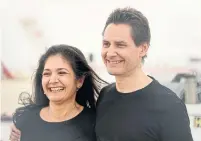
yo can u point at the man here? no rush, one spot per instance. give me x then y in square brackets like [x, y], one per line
[136, 107]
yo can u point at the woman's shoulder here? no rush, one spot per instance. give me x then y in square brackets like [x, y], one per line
[88, 113]
[86, 117]
[25, 114]
[85, 122]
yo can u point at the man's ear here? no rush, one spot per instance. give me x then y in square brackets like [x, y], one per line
[144, 49]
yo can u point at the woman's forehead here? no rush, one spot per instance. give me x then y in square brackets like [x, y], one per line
[57, 61]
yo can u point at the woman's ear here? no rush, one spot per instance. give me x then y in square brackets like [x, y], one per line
[80, 82]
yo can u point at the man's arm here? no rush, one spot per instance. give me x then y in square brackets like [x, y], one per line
[14, 134]
[175, 124]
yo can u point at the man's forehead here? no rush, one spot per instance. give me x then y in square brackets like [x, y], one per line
[115, 40]
[117, 29]
[117, 33]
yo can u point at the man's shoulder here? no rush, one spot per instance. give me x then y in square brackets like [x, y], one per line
[107, 88]
[106, 92]
[165, 93]
[166, 98]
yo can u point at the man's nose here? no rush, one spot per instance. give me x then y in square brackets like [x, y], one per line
[111, 52]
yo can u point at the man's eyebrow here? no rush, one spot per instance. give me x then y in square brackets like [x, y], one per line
[120, 42]
[105, 40]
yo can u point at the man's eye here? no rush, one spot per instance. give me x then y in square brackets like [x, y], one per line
[106, 44]
[121, 45]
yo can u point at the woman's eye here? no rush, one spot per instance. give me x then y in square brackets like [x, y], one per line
[46, 74]
[62, 73]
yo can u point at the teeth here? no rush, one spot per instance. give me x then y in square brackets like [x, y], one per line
[56, 89]
[114, 62]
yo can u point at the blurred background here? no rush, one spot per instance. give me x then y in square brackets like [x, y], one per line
[29, 27]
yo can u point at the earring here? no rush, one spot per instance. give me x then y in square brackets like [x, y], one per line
[77, 89]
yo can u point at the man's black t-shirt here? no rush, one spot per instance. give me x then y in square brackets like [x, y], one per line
[34, 128]
[153, 113]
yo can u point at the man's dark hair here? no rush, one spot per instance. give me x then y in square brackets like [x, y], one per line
[139, 24]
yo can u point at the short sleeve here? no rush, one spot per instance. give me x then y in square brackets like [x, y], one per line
[100, 96]
[175, 124]
[23, 115]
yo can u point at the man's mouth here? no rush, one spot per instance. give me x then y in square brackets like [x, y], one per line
[114, 62]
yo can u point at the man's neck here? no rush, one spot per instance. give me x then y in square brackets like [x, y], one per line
[134, 81]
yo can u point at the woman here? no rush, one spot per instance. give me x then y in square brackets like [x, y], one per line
[63, 106]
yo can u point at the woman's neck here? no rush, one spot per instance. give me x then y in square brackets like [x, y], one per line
[60, 112]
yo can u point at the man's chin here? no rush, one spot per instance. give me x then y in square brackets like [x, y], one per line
[114, 73]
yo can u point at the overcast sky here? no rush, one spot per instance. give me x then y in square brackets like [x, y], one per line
[175, 28]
